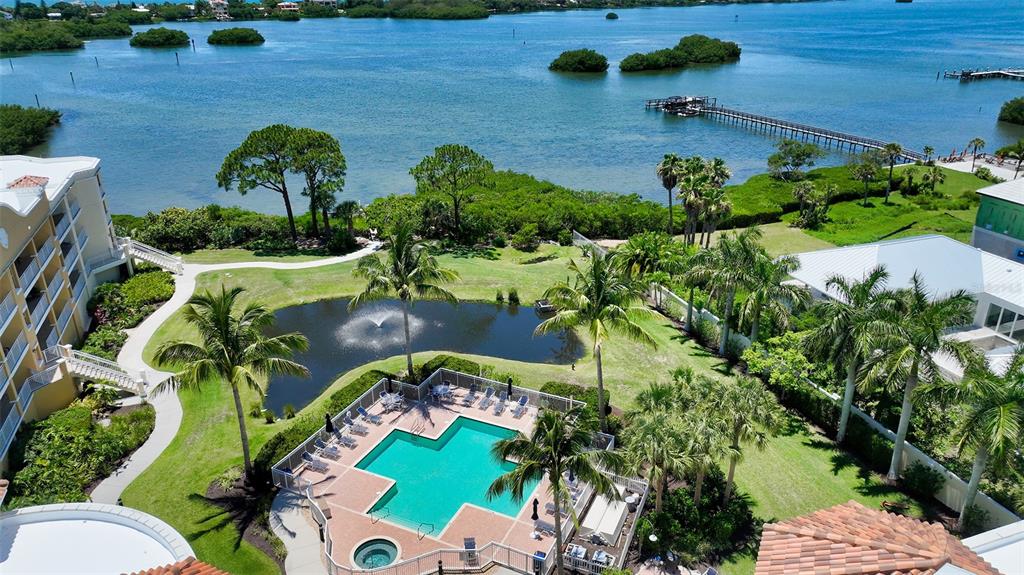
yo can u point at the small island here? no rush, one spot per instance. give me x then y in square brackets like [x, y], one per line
[693, 49]
[235, 37]
[584, 60]
[1013, 111]
[421, 10]
[611, 16]
[159, 38]
[21, 129]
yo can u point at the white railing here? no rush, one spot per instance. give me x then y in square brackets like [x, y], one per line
[25, 397]
[459, 379]
[63, 225]
[7, 309]
[83, 237]
[84, 364]
[54, 288]
[28, 276]
[155, 256]
[582, 241]
[78, 288]
[44, 252]
[74, 207]
[65, 316]
[70, 257]
[660, 293]
[5, 378]
[16, 352]
[37, 313]
[10, 427]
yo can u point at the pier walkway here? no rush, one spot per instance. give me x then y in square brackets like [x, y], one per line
[708, 107]
[970, 75]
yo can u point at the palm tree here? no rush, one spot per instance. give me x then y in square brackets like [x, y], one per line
[892, 152]
[752, 414]
[602, 299]
[232, 350]
[726, 269]
[976, 144]
[928, 151]
[348, 211]
[847, 322]
[556, 447]
[933, 176]
[912, 337]
[407, 271]
[993, 425]
[714, 207]
[1013, 152]
[668, 171]
[707, 444]
[655, 444]
[693, 179]
[769, 295]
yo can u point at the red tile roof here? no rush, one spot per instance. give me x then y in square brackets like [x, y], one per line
[851, 539]
[190, 566]
[28, 182]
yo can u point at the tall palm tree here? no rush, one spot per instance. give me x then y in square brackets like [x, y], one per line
[407, 271]
[668, 171]
[769, 295]
[707, 444]
[928, 151]
[726, 269]
[933, 176]
[650, 253]
[232, 350]
[602, 299]
[752, 414]
[714, 207]
[993, 422]
[655, 447]
[1014, 152]
[912, 337]
[847, 321]
[975, 144]
[557, 447]
[892, 152]
[693, 179]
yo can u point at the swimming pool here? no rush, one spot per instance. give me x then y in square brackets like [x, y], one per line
[434, 477]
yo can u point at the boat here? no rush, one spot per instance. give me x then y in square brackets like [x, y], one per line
[543, 306]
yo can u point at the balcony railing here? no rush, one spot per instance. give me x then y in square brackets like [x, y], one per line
[7, 310]
[65, 316]
[70, 257]
[54, 288]
[44, 252]
[77, 289]
[10, 427]
[62, 226]
[39, 310]
[4, 377]
[74, 208]
[16, 352]
[28, 276]
[52, 339]
[83, 237]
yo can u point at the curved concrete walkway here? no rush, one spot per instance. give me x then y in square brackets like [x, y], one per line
[167, 406]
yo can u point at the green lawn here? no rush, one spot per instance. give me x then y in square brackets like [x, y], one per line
[780, 238]
[232, 255]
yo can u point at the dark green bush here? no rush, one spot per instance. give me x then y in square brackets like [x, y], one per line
[341, 242]
[565, 238]
[159, 38]
[147, 288]
[513, 296]
[55, 459]
[1013, 111]
[526, 239]
[923, 481]
[584, 60]
[611, 16]
[235, 37]
[451, 362]
[24, 128]
[693, 49]
[421, 9]
[105, 341]
[582, 393]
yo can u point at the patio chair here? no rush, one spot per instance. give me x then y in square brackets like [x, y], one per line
[502, 402]
[470, 556]
[325, 450]
[520, 407]
[342, 439]
[542, 526]
[314, 463]
[550, 508]
[487, 399]
[471, 396]
[374, 419]
[355, 427]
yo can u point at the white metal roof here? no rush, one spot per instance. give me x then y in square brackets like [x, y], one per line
[60, 172]
[1010, 190]
[1002, 547]
[945, 265]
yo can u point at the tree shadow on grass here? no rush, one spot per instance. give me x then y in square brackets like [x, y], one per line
[466, 252]
[242, 506]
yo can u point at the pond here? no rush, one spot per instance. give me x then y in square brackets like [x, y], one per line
[340, 340]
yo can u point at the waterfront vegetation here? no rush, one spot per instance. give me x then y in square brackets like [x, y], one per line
[235, 36]
[27, 36]
[419, 9]
[159, 38]
[693, 49]
[22, 129]
[1013, 111]
[583, 60]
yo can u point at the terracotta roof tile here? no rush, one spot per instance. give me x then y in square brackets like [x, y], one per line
[190, 566]
[28, 182]
[850, 539]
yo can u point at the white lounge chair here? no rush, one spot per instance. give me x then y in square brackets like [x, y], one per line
[470, 396]
[342, 439]
[542, 526]
[520, 407]
[502, 402]
[314, 463]
[487, 399]
[374, 419]
[355, 427]
[325, 450]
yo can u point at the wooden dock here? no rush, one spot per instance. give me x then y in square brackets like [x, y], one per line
[971, 75]
[688, 106]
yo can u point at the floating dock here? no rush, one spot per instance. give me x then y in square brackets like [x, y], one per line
[687, 106]
[971, 75]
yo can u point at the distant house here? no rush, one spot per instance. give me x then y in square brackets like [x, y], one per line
[330, 3]
[53, 15]
[999, 227]
[141, 10]
[288, 6]
[220, 9]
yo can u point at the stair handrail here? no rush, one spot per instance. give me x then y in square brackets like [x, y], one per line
[137, 247]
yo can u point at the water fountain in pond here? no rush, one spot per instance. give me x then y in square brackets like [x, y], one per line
[376, 326]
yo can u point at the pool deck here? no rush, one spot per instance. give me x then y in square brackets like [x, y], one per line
[349, 493]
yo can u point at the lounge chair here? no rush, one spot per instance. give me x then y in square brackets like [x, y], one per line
[342, 439]
[487, 399]
[374, 419]
[471, 396]
[325, 450]
[542, 526]
[470, 555]
[502, 402]
[520, 407]
[355, 427]
[314, 463]
[550, 508]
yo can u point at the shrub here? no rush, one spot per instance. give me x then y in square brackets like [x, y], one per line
[24, 128]
[235, 37]
[705, 331]
[285, 16]
[499, 297]
[256, 409]
[289, 411]
[973, 521]
[1013, 111]
[147, 288]
[341, 242]
[268, 416]
[693, 49]
[923, 481]
[526, 239]
[987, 175]
[564, 238]
[584, 60]
[451, 362]
[582, 393]
[513, 296]
[611, 16]
[159, 38]
[499, 241]
[106, 341]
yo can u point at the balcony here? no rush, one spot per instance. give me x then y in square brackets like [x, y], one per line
[37, 308]
[8, 309]
[53, 289]
[4, 378]
[65, 317]
[70, 257]
[74, 208]
[77, 288]
[45, 252]
[61, 225]
[16, 353]
[9, 428]
[83, 238]
[29, 274]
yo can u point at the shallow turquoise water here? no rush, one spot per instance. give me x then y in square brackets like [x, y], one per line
[392, 90]
[433, 478]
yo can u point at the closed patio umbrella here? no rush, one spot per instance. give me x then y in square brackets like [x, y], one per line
[387, 385]
[510, 388]
[328, 423]
[535, 515]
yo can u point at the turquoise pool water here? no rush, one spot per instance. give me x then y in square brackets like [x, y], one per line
[434, 477]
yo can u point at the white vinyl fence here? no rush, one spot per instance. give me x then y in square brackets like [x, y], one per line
[662, 295]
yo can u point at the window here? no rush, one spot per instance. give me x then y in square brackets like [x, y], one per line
[992, 319]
